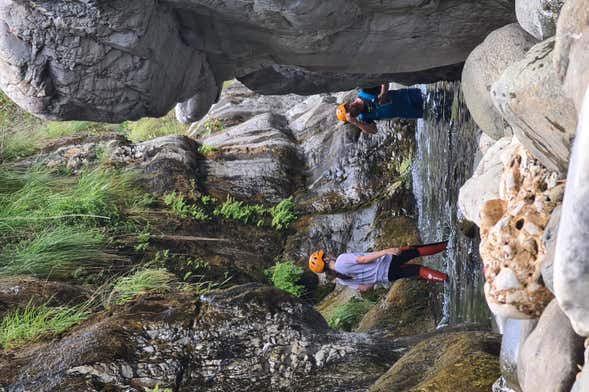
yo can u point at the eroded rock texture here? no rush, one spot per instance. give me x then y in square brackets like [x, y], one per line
[247, 338]
[511, 237]
[114, 60]
[530, 97]
[484, 66]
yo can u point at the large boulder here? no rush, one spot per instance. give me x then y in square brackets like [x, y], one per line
[458, 362]
[548, 358]
[247, 338]
[571, 266]
[256, 161]
[530, 97]
[571, 53]
[484, 66]
[115, 60]
[538, 17]
[484, 183]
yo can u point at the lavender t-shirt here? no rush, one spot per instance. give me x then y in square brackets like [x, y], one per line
[367, 274]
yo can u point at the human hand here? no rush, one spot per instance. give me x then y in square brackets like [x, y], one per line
[392, 251]
[349, 118]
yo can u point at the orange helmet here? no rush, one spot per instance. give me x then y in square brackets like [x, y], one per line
[341, 112]
[316, 263]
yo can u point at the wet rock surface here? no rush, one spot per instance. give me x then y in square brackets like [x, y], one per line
[105, 61]
[549, 356]
[438, 363]
[484, 66]
[515, 333]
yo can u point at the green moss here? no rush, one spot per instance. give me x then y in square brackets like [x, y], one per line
[150, 128]
[458, 361]
[405, 311]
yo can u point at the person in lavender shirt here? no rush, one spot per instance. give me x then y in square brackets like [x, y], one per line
[362, 271]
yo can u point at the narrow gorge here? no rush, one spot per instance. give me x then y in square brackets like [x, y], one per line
[167, 168]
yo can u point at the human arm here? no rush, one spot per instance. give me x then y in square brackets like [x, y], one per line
[370, 257]
[384, 89]
[364, 127]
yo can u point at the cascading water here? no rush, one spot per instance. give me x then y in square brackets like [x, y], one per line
[447, 140]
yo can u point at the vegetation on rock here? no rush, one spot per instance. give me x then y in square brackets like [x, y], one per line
[348, 315]
[33, 322]
[285, 275]
[140, 283]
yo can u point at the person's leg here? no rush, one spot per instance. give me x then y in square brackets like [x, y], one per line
[415, 271]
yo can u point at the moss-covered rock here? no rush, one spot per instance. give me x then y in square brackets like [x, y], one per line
[406, 310]
[451, 362]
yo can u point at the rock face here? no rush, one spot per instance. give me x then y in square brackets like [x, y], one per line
[538, 17]
[484, 66]
[571, 269]
[249, 337]
[511, 237]
[17, 291]
[450, 362]
[548, 358]
[117, 60]
[530, 97]
[100, 62]
[258, 159]
[485, 181]
[570, 53]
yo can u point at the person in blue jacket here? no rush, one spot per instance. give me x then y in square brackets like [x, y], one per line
[372, 104]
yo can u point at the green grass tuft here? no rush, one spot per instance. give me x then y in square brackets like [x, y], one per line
[56, 252]
[34, 322]
[285, 275]
[348, 315]
[35, 199]
[140, 283]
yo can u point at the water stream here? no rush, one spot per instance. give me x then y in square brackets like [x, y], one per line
[447, 140]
